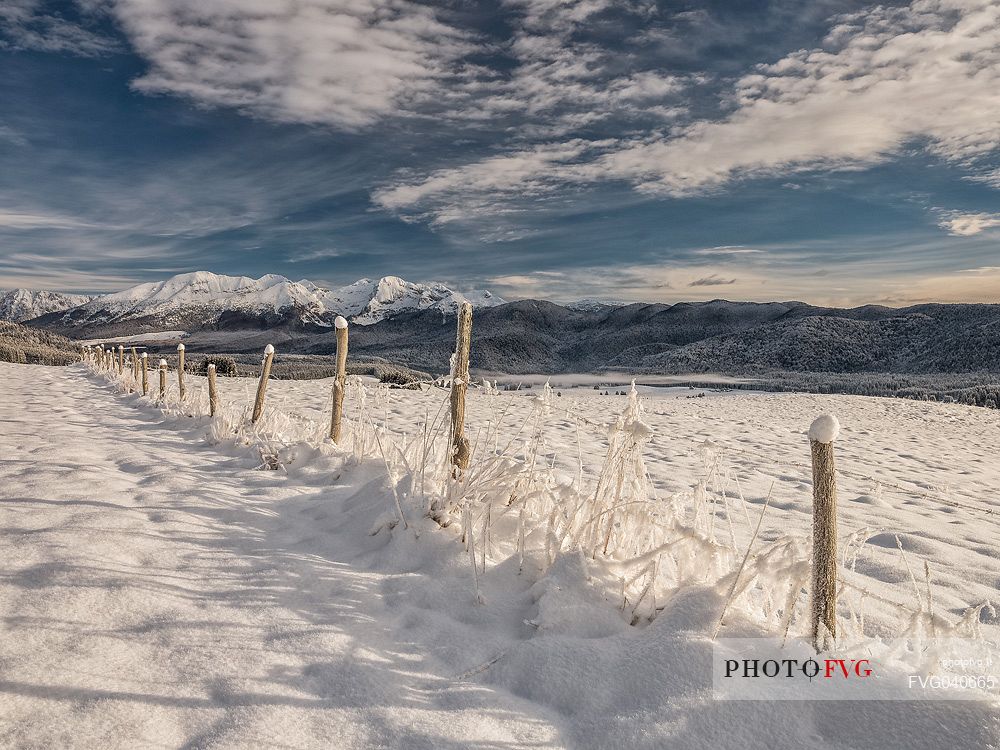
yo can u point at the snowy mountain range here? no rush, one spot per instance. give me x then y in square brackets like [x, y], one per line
[203, 300]
[19, 305]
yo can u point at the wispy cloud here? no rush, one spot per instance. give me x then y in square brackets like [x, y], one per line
[11, 219]
[968, 224]
[37, 25]
[728, 250]
[712, 280]
[305, 256]
[453, 194]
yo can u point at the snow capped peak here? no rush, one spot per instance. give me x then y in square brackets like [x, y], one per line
[24, 304]
[203, 298]
[366, 301]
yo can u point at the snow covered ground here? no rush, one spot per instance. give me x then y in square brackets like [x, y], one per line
[137, 338]
[159, 587]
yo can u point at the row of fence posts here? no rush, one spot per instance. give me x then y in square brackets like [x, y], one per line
[822, 434]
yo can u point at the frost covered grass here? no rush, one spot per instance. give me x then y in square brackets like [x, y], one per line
[553, 476]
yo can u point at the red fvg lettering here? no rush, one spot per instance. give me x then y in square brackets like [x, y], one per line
[858, 667]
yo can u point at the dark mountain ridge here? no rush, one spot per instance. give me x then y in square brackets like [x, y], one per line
[717, 336]
[739, 338]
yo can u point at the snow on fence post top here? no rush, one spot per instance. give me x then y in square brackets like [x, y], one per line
[824, 429]
[180, 347]
[340, 322]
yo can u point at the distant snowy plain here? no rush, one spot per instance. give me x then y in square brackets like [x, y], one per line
[160, 587]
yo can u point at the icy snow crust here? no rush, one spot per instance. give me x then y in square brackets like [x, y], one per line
[160, 587]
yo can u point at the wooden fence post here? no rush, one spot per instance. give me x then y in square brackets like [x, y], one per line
[145, 374]
[459, 386]
[135, 365]
[100, 357]
[340, 381]
[163, 379]
[213, 393]
[121, 359]
[180, 370]
[265, 373]
[822, 433]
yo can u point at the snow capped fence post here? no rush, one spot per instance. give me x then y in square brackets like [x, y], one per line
[180, 370]
[265, 373]
[340, 381]
[459, 386]
[822, 433]
[135, 365]
[163, 379]
[121, 359]
[145, 374]
[213, 394]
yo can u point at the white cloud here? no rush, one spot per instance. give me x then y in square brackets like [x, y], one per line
[966, 225]
[883, 80]
[349, 63]
[337, 62]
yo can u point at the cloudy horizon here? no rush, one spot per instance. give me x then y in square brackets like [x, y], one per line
[834, 152]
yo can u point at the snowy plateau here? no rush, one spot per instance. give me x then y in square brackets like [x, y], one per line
[171, 580]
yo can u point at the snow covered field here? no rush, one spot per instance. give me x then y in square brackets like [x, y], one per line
[159, 587]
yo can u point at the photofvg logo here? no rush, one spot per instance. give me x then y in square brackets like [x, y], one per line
[940, 669]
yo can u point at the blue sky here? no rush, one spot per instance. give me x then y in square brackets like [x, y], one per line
[834, 151]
